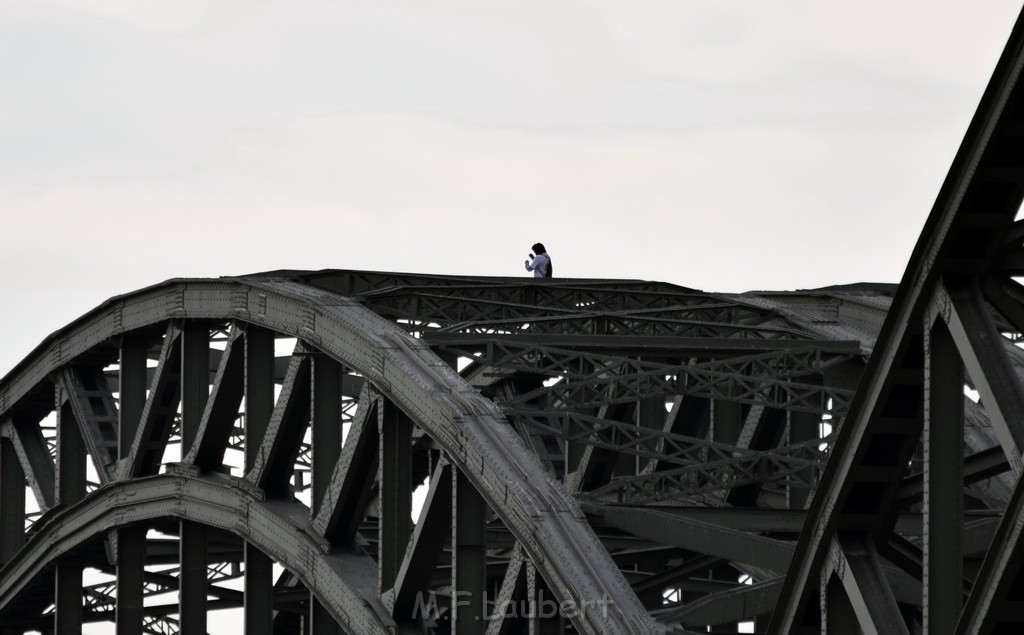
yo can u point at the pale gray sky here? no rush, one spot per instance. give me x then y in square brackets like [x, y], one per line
[723, 145]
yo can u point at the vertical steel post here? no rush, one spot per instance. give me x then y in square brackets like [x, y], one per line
[195, 379]
[193, 578]
[71, 465]
[67, 609]
[943, 479]
[195, 392]
[131, 541]
[131, 558]
[326, 440]
[395, 491]
[12, 501]
[326, 435]
[469, 554]
[259, 592]
[259, 388]
[259, 404]
[71, 479]
[12, 509]
[132, 392]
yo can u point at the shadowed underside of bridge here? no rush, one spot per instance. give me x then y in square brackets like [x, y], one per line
[363, 452]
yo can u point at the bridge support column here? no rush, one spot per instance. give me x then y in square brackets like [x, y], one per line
[943, 480]
[12, 501]
[395, 491]
[195, 392]
[326, 441]
[71, 479]
[130, 541]
[469, 568]
[259, 592]
[259, 404]
[131, 559]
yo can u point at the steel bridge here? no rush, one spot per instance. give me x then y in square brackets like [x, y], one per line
[362, 452]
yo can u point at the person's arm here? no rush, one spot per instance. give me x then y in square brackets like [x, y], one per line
[530, 263]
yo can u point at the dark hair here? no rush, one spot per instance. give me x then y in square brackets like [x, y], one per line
[539, 248]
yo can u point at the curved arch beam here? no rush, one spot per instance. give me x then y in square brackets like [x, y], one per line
[472, 430]
[276, 528]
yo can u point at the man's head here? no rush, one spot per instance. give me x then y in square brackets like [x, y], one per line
[538, 248]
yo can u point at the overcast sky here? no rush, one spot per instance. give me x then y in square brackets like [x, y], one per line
[722, 145]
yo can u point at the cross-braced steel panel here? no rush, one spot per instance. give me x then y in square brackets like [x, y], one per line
[370, 452]
[954, 327]
[180, 441]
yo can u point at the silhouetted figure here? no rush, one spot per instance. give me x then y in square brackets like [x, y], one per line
[540, 264]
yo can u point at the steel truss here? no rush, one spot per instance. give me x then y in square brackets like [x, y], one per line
[592, 456]
[171, 452]
[954, 321]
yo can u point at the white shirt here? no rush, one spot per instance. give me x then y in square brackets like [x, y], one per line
[539, 265]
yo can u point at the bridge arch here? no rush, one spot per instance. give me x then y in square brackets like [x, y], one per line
[467, 434]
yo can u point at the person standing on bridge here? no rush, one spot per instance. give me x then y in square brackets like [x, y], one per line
[540, 264]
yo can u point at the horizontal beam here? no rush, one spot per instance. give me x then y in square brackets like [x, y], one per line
[649, 346]
[760, 519]
[702, 537]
